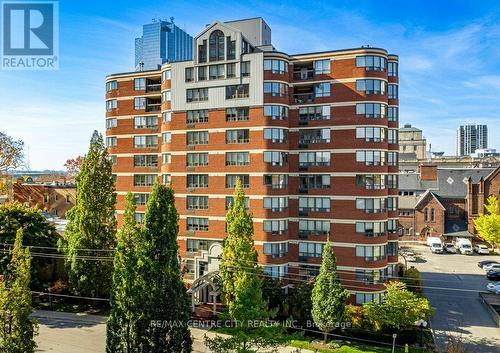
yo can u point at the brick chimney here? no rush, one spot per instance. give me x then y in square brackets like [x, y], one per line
[428, 172]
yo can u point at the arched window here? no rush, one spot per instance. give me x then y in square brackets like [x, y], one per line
[432, 215]
[426, 215]
[216, 46]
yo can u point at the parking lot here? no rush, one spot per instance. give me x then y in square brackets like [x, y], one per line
[452, 283]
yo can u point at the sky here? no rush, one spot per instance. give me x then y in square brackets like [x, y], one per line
[449, 56]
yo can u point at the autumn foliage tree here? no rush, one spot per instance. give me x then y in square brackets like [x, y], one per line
[11, 152]
[73, 166]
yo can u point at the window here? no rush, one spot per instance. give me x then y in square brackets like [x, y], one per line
[245, 69]
[371, 110]
[237, 158]
[276, 135]
[392, 181]
[142, 122]
[307, 136]
[392, 248]
[362, 298]
[311, 159]
[139, 217]
[392, 136]
[237, 114]
[314, 113]
[145, 160]
[392, 204]
[310, 249]
[276, 66]
[392, 226]
[276, 89]
[322, 67]
[166, 75]
[196, 116]
[276, 181]
[237, 136]
[139, 84]
[166, 137]
[189, 74]
[230, 201]
[392, 158]
[202, 52]
[111, 141]
[371, 229]
[314, 204]
[309, 227]
[111, 85]
[276, 272]
[237, 91]
[166, 179]
[111, 104]
[111, 123]
[371, 157]
[316, 181]
[231, 180]
[276, 227]
[68, 199]
[371, 205]
[393, 114]
[139, 103]
[202, 73]
[196, 94]
[231, 49]
[197, 181]
[371, 181]
[276, 204]
[371, 253]
[166, 116]
[370, 276]
[216, 71]
[216, 46]
[432, 215]
[392, 69]
[196, 159]
[371, 62]
[197, 223]
[145, 141]
[194, 245]
[371, 134]
[166, 158]
[322, 89]
[197, 138]
[275, 250]
[276, 158]
[197, 202]
[166, 96]
[144, 179]
[141, 199]
[46, 198]
[230, 70]
[371, 86]
[276, 112]
[392, 91]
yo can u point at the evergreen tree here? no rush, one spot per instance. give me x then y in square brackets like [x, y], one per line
[126, 294]
[91, 224]
[328, 296]
[166, 299]
[17, 330]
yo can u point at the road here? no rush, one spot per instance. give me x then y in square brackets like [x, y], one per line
[452, 283]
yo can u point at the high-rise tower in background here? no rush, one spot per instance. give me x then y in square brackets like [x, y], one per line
[471, 137]
[161, 42]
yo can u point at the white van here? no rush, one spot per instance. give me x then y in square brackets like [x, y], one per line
[464, 246]
[435, 244]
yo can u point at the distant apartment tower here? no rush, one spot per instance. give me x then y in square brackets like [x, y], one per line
[471, 137]
[161, 42]
[312, 136]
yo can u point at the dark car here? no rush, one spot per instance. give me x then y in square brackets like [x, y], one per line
[493, 275]
[486, 262]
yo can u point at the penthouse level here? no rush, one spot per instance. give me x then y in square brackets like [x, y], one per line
[312, 136]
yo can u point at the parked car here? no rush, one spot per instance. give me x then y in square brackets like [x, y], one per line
[409, 256]
[493, 287]
[464, 246]
[489, 267]
[481, 264]
[481, 249]
[450, 248]
[493, 275]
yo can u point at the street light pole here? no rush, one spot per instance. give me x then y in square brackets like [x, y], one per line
[394, 335]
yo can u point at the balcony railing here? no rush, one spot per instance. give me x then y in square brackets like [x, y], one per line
[153, 87]
[153, 107]
[303, 75]
[302, 98]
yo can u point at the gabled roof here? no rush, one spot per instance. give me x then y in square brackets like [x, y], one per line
[493, 174]
[429, 193]
[453, 182]
[212, 25]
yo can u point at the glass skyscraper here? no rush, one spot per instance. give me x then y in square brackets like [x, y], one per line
[161, 42]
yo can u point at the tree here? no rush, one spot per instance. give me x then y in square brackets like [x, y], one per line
[11, 152]
[126, 294]
[17, 329]
[37, 232]
[73, 166]
[299, 303]
[272, 293]
[91, 224]
[400, 308]
[165, 297]
[488, 225]
[413, 280]
[328, 296]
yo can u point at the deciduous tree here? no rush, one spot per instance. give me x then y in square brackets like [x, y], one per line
[488, 224]
[73, 166]
[11, 152]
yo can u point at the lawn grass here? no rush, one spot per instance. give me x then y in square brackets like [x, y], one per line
[351, 348]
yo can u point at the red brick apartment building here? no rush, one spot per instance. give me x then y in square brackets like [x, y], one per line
[312, 136]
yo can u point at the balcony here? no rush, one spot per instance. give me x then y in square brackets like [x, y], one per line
[153, 105]
[303, 98]
[303, 71]
[153, 88]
